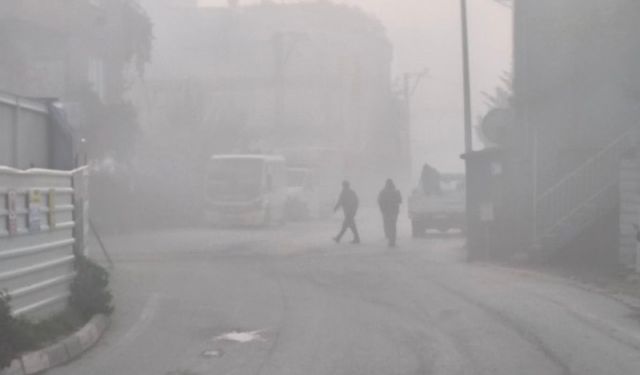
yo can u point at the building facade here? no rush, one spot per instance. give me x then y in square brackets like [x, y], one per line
[576, 117]
[270, 78]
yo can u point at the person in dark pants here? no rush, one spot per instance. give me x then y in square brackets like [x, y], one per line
[349, 202]
[389, 201]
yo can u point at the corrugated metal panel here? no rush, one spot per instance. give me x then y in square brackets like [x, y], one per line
[24, 132]
[36, 238]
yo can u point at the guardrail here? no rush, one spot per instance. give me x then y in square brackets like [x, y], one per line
[43, 222]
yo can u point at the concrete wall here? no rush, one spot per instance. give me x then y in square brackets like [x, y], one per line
[42, 223]
[629, 212]
[575, 75]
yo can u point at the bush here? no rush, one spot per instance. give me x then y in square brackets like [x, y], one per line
[49, 330]
[14, 338]
[89, 296]
[89, 290]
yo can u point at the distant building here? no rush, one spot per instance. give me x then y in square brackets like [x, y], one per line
[275, 76]
[52, 48]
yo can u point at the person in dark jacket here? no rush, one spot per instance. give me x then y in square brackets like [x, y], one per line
[348, 201]
[389, 201]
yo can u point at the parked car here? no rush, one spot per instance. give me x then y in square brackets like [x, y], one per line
[437, 203]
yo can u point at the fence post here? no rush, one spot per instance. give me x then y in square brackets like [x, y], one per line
[15, 135]
[81, 210]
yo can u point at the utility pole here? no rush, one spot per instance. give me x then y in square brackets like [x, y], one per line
[280, 61]
[411, 82]
[468, 144]
[284, 44]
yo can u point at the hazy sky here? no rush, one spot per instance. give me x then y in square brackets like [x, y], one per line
[426, 34]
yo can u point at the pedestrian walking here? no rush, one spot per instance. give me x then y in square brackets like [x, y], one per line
[348, 201]
[389, 201]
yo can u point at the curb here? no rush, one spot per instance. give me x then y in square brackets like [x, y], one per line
[627, 300]
[61, 352]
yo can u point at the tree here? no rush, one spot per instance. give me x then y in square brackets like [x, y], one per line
[14, 338]
[495, 125]
[502, 96]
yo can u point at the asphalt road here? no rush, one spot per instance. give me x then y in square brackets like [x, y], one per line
[298, 304]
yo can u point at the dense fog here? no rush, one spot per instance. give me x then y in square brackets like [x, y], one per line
[354, 187]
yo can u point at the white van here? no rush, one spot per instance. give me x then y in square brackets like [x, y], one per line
[246, 190]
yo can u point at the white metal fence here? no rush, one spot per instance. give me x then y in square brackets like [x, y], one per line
[42, 222]
[24, 132]
[35, 133]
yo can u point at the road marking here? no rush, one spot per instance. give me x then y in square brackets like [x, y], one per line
[215, 353]
[147, 314]
[241, 337]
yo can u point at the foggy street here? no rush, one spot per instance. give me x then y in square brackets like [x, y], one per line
[319, 187]
[290, 301]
